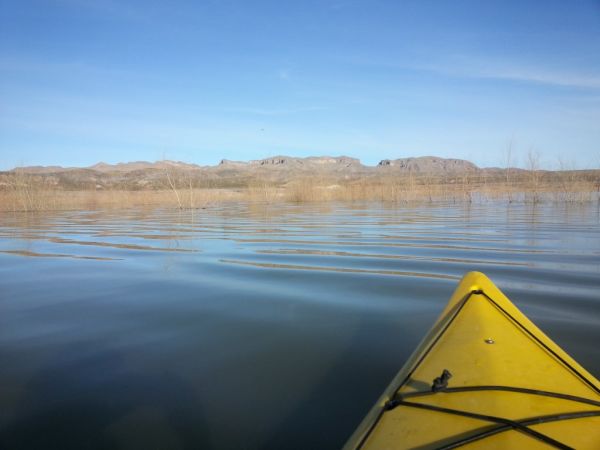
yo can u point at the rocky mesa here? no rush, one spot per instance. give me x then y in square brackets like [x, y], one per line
[278, 169]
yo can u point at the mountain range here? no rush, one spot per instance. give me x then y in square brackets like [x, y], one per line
[277, 169]
[423, 164]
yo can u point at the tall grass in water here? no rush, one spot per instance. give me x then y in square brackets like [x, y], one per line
[55, 200]
[262, 190]
[533, 167]
[20, 191]
[387, 189]
[24, 192]
[310, 189]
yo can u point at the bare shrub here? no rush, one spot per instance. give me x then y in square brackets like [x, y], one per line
[533, 166]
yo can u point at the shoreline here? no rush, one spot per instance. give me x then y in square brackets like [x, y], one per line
[401, 192]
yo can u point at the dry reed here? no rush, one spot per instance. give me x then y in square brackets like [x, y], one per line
[22, 192]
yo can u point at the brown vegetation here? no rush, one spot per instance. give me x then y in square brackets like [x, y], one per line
[73, 200]
[22, 191]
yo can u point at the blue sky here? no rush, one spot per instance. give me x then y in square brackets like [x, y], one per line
[83, 81]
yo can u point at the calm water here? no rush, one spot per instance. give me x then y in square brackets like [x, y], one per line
[257, 327]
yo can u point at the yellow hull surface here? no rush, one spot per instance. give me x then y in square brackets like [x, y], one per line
[485, 377]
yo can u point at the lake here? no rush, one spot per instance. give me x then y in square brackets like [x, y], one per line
[258, 326]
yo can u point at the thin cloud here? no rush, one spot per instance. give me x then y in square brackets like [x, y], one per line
[545, 77]
[469, 67]
[513, 72]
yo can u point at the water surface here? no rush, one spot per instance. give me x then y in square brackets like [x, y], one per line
[257, 326]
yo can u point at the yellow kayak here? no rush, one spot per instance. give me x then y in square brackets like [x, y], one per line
[485, 377]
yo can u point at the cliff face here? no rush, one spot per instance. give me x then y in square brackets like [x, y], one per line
[278, 169]
[429, 164]
[289, 162]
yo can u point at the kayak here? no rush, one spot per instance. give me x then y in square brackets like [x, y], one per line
[485, 377]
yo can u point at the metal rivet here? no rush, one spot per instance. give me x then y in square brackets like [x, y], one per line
[489, 341]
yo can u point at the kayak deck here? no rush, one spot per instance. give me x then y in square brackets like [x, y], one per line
[501, 383]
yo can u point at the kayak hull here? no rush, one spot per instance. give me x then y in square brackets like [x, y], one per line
[508, 384]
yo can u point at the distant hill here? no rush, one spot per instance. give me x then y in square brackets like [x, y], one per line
[420, 164]
[142, 165]
[429, 164]
[314, 177]
[278, 169]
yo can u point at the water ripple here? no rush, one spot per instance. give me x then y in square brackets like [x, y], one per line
[340, 269]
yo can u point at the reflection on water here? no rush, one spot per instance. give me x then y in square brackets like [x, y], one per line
[111, 244]
[341, 269]
[55, 255]
[257, 326]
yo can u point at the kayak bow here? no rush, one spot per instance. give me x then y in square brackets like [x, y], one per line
[485, 377]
